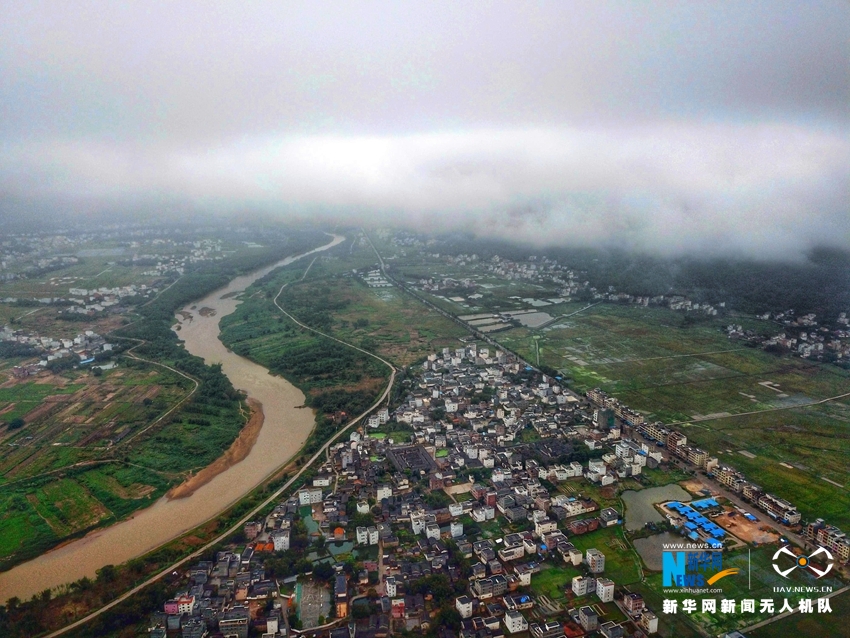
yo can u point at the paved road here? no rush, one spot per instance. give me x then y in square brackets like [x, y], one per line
[252, 514]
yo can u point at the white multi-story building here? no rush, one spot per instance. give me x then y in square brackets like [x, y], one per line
[544, 527]
[390, 587]
[418, 520]
[595, 560]
[362, 536]
[280, 538]
[648, 621]
[374, 535]
[515, 622]
[456, 529]
[579, 585]
[322, 481]
[185, 604]
[310, 495]
[272, 625]
[464, 606]
[432, 530]
[605, 589]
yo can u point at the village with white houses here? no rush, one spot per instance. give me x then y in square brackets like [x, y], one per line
[155, 261]
[83, 349]
[484, 504]
[802, 336]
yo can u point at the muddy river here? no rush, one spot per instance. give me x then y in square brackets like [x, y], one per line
[283, 433]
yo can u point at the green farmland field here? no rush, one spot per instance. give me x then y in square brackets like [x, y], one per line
[726, 397]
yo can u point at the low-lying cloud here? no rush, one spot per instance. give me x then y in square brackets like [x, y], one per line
[668, 126]
[770, 189]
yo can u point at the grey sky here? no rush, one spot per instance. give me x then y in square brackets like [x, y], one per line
[672, 126]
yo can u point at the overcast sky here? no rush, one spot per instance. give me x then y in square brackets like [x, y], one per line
[665, 126]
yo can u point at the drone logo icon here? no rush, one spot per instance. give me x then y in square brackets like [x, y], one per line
[803, 562]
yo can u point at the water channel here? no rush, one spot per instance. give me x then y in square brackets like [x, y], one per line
[284, 431]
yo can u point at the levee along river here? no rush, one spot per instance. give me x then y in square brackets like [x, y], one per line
[284, 431]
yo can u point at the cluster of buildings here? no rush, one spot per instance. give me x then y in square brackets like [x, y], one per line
[464, 500]
[676, 444]
[547, 271]
[375, 279]
[189, 252]
[674, 302]
[829, 536]
[803, 336]
[228, 596]
[536, 270]
[83, 348]
[91, 301]
[24, 255]
[778, 509]
[27, 254]
[439, 284]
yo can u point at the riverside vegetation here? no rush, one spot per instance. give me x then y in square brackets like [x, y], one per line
[53, 493]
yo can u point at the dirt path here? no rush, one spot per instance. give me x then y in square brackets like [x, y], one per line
[236, 453]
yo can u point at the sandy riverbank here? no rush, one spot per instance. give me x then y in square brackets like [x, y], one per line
[236, 453]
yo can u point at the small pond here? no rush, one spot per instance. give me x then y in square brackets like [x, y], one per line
[650, 548]
[640, 506]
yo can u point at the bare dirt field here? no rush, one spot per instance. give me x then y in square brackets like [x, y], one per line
[749, 531]
[694, 485]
